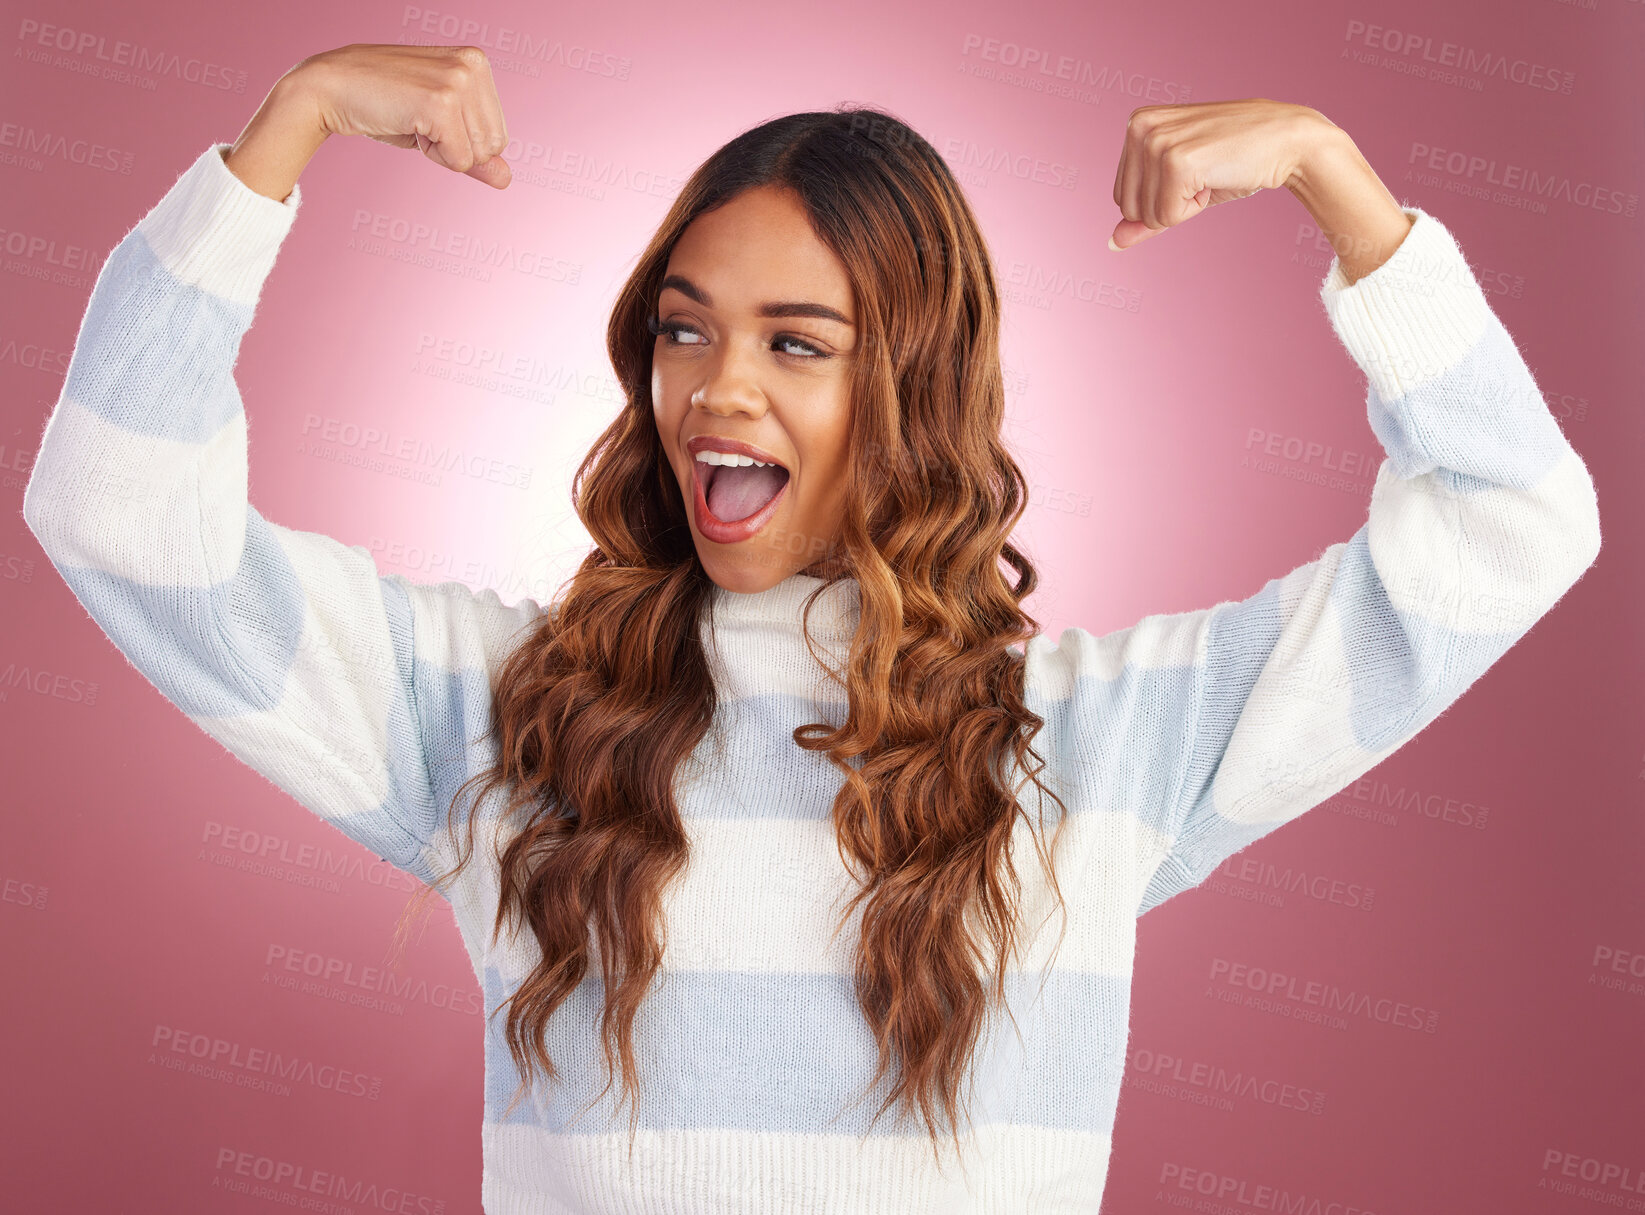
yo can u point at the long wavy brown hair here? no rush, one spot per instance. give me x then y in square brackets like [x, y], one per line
[611, 689]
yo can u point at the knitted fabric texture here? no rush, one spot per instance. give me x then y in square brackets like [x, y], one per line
[1175, 742]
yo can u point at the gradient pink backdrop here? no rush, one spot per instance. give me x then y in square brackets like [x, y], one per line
[1489, 872]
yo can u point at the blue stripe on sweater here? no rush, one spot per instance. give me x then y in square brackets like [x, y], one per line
[1482, 420]
[1403, 669]
[235, 666]
[791, 1052]
[127, 390]
[1116, 743]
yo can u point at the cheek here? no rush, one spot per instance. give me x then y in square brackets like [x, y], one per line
[829, 449]
[836, 440]
[668, 408]
[825, 420]
[667, 425]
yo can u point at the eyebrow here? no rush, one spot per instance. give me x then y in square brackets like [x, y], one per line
[773, 308]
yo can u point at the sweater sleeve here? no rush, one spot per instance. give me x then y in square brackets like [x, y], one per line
[285, 646]
[1482, 516]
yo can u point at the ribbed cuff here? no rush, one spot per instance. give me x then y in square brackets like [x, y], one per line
[1412, 317]
[213, 230]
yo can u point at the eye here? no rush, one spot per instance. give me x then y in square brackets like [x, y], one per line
[671, 330]
[790, 340]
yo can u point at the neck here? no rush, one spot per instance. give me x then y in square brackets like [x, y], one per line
[827, 567]
[834, 615]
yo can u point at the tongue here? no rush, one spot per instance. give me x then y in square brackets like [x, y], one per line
[738, 490]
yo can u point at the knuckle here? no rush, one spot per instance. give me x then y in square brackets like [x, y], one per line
[470, 56]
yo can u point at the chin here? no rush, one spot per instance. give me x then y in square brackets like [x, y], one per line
[745, 575]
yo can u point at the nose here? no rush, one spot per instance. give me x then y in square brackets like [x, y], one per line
[729, 385]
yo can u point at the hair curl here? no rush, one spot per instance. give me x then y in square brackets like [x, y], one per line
[611, 687]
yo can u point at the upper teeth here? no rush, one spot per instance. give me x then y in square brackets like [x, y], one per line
[709, 456]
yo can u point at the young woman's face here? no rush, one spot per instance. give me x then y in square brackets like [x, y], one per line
[753, 352]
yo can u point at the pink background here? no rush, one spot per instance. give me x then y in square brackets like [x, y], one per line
[1482, 872]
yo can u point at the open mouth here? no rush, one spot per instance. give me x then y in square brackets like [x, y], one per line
[736, 491]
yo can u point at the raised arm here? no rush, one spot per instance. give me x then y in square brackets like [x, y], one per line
[1482, 516]
[285, 646]
[1212, 728]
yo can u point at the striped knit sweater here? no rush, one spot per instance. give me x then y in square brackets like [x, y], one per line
[1175, 742]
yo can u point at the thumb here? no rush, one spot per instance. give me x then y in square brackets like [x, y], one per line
[494, 172]
[1129, 232]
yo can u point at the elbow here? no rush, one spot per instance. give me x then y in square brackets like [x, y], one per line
[51, 514]
[1576, 551]
[1589, 541]
[37, 512]
[1585, 534]
[1577, 522]
[42, 498]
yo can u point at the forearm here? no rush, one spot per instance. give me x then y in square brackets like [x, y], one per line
[1349, 203]
[280, 139]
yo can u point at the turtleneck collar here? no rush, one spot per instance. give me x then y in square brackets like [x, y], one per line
[834, 614]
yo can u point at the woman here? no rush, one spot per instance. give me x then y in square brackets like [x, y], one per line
[776, 929]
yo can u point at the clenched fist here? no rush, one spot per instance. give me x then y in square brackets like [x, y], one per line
[438, 99]
[1180, 159]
